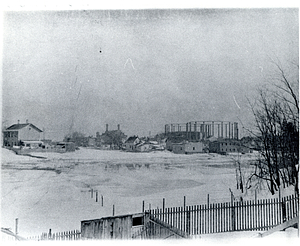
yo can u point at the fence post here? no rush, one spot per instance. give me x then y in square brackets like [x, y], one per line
[279, 194]
[232, 213]
[114, 210]
[49, 234]
[283, 207]
[208, 200]
[184, 201]
[188, 221]
[163, 213]
[16, 226]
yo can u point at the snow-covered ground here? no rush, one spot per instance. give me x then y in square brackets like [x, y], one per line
[55, 192]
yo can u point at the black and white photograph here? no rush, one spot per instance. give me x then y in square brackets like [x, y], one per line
[149, 123]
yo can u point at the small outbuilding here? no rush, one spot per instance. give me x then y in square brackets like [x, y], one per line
[130, 226]
[114, 227]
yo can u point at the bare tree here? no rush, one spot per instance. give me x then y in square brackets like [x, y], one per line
[276, 114]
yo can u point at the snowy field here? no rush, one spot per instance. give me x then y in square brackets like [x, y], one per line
[54, 192]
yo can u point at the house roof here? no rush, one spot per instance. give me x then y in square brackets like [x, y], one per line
[20, 126]
[131, 139]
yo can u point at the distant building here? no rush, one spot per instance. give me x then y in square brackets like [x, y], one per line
[174, 139]
[32, 144]
[202, 130]
[91, 141]
[64, 147]
[15, 134]
[189, 147]
[161, 145]
[110, 139]
[144, 147]
[228, 146]
[131, 143]
[252, 143]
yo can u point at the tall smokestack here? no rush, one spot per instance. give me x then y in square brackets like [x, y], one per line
[18, 122]
[26, 121]
[236, 131]
[118, 127]
[107, 127]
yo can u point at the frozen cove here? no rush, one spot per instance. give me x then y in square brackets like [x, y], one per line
[55, 191]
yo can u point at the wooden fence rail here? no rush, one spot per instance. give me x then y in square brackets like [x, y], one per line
[225, 217]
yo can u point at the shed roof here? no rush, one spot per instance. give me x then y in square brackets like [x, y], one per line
[115, 216]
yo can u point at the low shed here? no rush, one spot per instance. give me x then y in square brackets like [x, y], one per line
[114, 227]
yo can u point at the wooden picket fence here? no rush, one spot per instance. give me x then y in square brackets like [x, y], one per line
[249, 215]
[183, 222]
[59, 236]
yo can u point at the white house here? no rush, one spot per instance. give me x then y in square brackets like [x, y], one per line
[131, 143]
[13, 135]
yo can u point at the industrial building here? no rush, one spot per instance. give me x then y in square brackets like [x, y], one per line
[203, 130]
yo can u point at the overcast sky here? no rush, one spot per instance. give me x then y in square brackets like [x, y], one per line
[79, 70]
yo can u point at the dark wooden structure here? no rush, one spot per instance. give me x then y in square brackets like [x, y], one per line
[131, 226]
